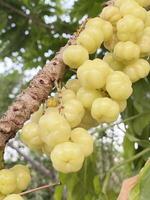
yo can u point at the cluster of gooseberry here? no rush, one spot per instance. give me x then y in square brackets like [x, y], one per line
[13, 181]
[97, 95]
[101, 88]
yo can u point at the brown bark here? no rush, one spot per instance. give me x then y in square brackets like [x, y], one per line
[30, 99]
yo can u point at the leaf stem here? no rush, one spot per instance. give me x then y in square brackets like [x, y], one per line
[108, 175]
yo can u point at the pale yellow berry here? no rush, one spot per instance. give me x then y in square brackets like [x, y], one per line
[67, 95]
[73, 111]
[105, 110]
[119, 86]
[13, 197]
[137, 70]
[126, 51]
[95, 22]
[7, 181]
[23, 177]
[107, 29]
[86, 96]
[67, 157]
[118, 3]
[111, 13]
[75, 55]
[81, 137]
[93, 74]
[130, 28]
[30, 136]
[129, 7]
[54, 129]
[87, 42]
[105, 26]
[97, 34]
[143, 3]
[114, 64]
[73, 84]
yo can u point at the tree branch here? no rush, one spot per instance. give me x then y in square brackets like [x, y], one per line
[30, 99]
[35, 164]
[40, 188]
[21, 13]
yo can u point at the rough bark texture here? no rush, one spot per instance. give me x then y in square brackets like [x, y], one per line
[30, 99]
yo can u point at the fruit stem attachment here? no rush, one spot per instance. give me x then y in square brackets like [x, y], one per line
[40, 188]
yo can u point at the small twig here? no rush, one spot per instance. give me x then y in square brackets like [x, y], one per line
[97, 129]
[81, 28]
[40, 188]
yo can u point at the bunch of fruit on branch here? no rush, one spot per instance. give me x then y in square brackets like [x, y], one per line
[99, 91]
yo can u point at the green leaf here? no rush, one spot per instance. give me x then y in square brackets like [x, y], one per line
[128, 145]
[141, 100]
[129, 151]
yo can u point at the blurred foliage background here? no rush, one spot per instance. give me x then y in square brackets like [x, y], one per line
[31, 32]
